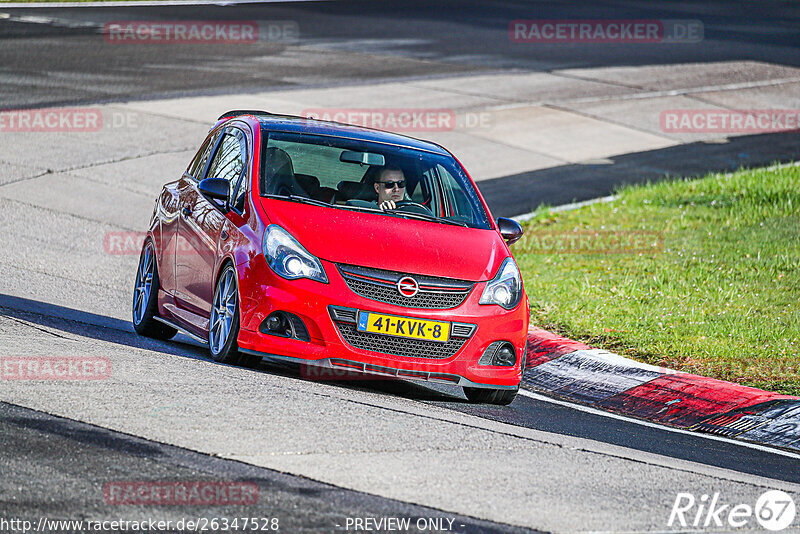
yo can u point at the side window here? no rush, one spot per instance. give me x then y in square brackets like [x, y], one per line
[199, 163]
[228, 162]
[456, 200]
[421, 194]
[241, 192]
[431, 181]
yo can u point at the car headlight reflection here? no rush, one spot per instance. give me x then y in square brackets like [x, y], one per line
[288, 258]
[505, 289]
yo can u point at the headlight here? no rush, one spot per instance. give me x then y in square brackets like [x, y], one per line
[288, 258]
[505, 289]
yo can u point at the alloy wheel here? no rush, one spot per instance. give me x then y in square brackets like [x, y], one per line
[222, 312]
[144, 284]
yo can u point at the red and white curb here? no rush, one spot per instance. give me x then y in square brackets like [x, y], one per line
[571, 370]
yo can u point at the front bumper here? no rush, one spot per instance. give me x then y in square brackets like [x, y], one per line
[262, 292]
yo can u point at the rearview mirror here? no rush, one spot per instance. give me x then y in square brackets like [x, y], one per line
[364, 158]
[216, 188]
[510, 230]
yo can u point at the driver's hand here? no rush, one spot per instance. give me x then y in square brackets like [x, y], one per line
[387, 205]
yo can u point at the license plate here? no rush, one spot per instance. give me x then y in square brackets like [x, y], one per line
[392, 325]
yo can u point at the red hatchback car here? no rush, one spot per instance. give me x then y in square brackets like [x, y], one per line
[273, 245]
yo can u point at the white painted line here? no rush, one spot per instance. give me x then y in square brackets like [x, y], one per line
[566, 207]
[782, 165]
[676, 92]
[612, 359]
[148, 3]
[62, 23]
[592, 374]
[612, 198]
[648, 424]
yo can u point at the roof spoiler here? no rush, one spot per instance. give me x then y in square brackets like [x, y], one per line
[237, 112]
[255, 112]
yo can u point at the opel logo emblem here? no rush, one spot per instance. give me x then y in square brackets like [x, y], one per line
[407, 286]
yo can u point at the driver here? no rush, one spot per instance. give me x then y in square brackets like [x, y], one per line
[391, 188]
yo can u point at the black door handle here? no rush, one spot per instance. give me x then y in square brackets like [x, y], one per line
[186, 212]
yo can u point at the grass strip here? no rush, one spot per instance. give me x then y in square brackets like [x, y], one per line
[699, 275]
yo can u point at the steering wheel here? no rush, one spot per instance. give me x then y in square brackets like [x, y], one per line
[412, 207]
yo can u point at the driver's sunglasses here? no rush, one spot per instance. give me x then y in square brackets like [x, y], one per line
[390, 185]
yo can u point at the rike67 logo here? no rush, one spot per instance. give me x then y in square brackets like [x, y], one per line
[774, 510]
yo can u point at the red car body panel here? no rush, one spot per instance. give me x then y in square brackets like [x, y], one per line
[193, 239]
[309, 301]
[394, 244]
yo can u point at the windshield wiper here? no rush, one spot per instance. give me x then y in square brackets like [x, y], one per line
[404, 214]
[395, 213]
[297, 198]
[359, 208]
[315, 202]
[307, 200]
[423, 217]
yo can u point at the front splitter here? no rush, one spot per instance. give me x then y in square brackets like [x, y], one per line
[377, 370]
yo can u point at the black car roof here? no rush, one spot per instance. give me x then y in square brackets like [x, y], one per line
[295, 124]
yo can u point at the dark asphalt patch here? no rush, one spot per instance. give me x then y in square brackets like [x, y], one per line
[58, 468]
[549, 417]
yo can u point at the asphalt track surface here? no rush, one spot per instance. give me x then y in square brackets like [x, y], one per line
[54, 464]
[56, 467]
[356, 41]
[52, 57]
[63, 455]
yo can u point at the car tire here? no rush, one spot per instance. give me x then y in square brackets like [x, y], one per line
[223, 326]
[145, 297]
[223, 329]
[502, 397]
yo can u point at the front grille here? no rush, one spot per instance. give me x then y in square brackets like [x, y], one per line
[398, 346]
[434, 293]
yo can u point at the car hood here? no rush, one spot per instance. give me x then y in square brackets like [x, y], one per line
[391, 243]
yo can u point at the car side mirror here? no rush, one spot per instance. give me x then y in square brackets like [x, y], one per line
[510, 230]
[216, 188]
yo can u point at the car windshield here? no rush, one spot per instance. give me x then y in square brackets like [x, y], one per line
[341, 173]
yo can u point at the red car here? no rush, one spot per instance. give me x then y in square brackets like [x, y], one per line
[273, 244]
